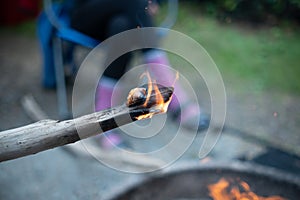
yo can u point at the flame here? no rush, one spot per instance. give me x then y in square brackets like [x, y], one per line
[223, 191]
[149, 90]
[160, 105]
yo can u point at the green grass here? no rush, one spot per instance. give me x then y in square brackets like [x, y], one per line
[252, 59]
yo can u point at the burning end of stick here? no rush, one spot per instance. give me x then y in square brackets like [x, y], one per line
[142, 103]
[152, 97]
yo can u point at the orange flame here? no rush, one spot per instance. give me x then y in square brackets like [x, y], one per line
[221, 191]
[160, 105]
[149, 87]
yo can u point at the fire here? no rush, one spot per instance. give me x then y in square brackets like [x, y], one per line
[223, 191]
[160, 105]
[150, 85]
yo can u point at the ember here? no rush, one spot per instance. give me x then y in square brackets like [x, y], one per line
[223, 190]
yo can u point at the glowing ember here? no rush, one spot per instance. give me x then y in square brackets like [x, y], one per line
[160, 105]
[223, 191]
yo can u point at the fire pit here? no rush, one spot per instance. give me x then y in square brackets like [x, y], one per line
[197, 182]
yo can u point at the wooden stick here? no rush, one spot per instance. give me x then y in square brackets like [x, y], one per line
[48, 134]
[145, 162]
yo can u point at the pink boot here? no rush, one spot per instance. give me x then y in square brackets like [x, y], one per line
[166, 76]
[104, 93]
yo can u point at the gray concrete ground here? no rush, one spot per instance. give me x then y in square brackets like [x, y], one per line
[253, 122]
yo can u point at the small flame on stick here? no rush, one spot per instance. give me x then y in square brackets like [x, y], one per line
[160, 105]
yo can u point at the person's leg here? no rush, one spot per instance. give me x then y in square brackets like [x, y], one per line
[107, 82]
[117, 68]
[125, 21]
[101, 20]
[131, 14]
[159, 66]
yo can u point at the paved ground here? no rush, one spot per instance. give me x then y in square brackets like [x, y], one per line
[253, 122]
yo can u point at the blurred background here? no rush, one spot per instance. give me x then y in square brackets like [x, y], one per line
[255, 45]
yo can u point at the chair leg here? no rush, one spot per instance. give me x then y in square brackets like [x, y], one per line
[60, 79]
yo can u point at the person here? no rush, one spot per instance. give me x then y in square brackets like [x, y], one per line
[102, 19]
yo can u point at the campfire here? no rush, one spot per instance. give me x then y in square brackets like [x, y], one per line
[214, 181]
[235, 190]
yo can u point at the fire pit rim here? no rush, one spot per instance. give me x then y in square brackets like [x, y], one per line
[235, 166]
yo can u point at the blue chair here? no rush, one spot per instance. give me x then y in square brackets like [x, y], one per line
[53, 29]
